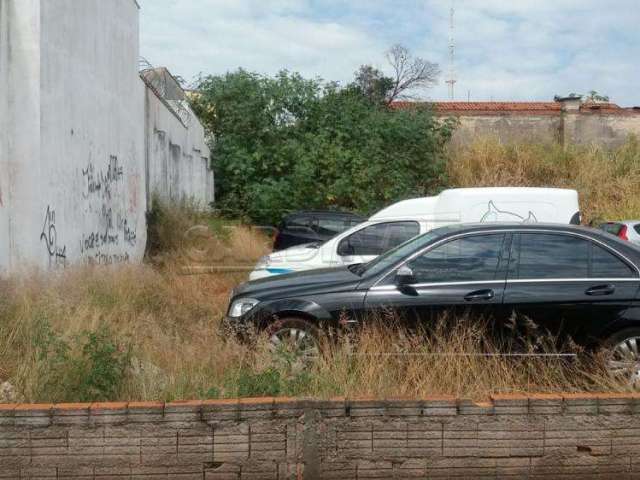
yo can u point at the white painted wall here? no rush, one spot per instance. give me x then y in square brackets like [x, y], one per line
[20, 167]
[178, 157]
[72, 166]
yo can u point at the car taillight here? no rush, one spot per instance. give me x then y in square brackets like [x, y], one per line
[622, 233]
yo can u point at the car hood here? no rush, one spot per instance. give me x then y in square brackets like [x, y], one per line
[298, 253]
[325, 279]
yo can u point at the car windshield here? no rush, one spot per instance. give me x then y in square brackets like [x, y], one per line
[392, 256]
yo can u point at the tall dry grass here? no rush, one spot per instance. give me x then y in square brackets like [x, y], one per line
[608, 181]
[151, 332]
[168, 324]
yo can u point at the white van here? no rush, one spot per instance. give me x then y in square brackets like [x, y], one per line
[408, 218]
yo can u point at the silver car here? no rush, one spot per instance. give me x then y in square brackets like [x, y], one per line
[624, 229]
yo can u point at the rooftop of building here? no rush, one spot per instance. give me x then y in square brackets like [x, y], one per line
[554, 107]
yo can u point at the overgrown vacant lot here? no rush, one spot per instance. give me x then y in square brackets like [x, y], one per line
[151, 332]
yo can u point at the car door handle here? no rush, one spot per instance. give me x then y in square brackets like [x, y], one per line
[479, 295]
[600, 290]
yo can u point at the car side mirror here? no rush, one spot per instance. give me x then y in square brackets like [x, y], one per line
[404, 276]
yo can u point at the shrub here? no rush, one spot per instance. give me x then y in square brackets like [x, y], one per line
[285, 142]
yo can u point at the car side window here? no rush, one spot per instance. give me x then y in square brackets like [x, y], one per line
[331, 226]
[636, 227]
[467, 259]
[378, 238]
[298, 223]
[548, 256]
[605, 264]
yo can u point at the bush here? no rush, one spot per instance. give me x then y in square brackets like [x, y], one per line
[89, 367]
[287, 143]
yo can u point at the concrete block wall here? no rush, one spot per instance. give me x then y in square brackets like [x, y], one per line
[511, 436]
[606, 129]
[508, 128]
[178, 158]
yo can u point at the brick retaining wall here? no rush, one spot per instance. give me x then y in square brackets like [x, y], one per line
[541, 436]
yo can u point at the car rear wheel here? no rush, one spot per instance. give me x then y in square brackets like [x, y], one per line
[296, 337]
[623, 355]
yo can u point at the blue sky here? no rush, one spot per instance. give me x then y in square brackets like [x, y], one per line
[505, 49]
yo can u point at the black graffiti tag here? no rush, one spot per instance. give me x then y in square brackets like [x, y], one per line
[57, 254]
[101, 181]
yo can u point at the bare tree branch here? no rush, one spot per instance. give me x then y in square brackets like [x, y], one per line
[409, 73]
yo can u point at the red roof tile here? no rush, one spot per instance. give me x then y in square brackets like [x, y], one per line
[471, 108]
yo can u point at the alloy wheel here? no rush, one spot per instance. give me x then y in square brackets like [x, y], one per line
[296, 342]
[624, 361]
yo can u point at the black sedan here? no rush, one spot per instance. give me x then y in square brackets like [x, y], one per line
[572, 280]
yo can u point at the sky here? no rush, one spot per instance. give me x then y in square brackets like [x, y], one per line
[505, 49]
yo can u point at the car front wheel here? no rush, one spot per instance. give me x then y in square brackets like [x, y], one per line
[295, 336]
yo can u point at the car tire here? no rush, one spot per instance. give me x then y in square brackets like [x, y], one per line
[623, 355]
[297, 334]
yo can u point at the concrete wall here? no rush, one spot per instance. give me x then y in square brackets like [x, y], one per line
[177, 156]
[508, 128]
[609, 130]
[544, 436]
[75, 157]
[19, 125]
[582, 128]
[83, 141]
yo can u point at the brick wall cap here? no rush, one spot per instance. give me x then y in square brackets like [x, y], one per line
[545, 396]
[183, 403]
[286, 399]
[109, 406]
[580, 396]
[34, 406]
[71, 406]
[142, 405]
[214, 402]
[509, 396]
[618, 395]
[257, 401]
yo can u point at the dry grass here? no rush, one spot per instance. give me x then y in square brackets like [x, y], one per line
[608, 182]
[168, 324]
[164, 327]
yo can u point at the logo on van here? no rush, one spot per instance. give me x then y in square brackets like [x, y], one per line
[494, 214]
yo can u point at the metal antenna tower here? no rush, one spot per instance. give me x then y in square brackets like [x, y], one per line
[452, 48]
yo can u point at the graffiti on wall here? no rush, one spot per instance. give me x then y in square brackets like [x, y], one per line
[100, 182]
[114, 228]
[111, 233]
[49, 235]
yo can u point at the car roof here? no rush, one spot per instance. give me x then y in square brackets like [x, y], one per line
[323, 213]
[560, 227]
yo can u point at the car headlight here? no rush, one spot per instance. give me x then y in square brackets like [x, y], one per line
[241, 306]
[263, 262]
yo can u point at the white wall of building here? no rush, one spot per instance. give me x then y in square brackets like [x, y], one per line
[178, 157]
[72, 170]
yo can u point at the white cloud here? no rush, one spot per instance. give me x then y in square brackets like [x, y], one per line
[506, 49]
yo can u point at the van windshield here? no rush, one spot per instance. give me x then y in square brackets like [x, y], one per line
[396, 254]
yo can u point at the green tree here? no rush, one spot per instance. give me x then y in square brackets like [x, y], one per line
[594, 96]
[284, 143]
